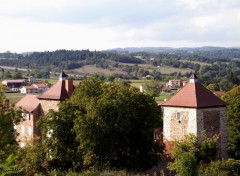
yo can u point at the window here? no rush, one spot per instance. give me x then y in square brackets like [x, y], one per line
[178, 117]
[30, 131]
[29, 116]
[23, 130]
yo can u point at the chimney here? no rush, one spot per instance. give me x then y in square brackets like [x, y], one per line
[69, 87]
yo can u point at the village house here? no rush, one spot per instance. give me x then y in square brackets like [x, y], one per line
[13, 85]
[34, 88]
[174, 84]
[194, 109]
[35, 106]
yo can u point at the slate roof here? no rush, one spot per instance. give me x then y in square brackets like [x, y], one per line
[194, 95]
[28, 102]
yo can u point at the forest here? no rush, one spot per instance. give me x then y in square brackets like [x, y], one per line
[212, 65]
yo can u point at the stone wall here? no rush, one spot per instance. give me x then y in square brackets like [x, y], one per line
[49, 104]
[213, 121]
[27, 128]
[174, 129]
[195, 121]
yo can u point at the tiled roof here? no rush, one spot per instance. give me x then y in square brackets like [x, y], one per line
[40, 85]
[29, 87]
[56, 92]
[28, 102]
[195, 95]
[14, 81]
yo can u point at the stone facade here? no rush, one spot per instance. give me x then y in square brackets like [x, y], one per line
[27, 129]
[180, 121]
[49, 104]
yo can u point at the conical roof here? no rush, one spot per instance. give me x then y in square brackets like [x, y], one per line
[194, 95]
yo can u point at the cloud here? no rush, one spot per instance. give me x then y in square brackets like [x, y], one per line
[81, 24]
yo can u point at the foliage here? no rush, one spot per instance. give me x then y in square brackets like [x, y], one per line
[9, 116]
[9, 166]
[190, 152]
[228, 167]
[233, 121]
[213, 87]
[152, 87]
[32, 158]
[112, 128]
[60, 140]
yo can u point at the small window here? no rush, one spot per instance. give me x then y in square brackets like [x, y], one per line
[178, 117]
[23, 129]
[29, 116]
[30, 131]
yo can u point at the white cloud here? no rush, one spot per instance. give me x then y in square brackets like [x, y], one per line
[29, 25]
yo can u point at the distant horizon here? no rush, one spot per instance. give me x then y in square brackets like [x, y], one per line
[130, 47]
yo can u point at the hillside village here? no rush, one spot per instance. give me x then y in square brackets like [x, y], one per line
[189, 107]
[191, 110]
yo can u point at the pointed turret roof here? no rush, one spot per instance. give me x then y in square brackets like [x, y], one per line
[63, 76]
[56, 92]
[194, 95]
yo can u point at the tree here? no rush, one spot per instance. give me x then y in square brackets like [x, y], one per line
[114, 125]
[59, 139]
[192, 151]
[32, 158]
[233, 121]
[103, 126]
[9, 116]
[153, 87]
[213, 87]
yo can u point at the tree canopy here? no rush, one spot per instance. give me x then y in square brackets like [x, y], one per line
[233, 121]
[107, 125]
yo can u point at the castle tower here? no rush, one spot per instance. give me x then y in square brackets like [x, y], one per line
[60, 91]
[192, 110]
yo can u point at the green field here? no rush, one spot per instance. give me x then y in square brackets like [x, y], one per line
[14, 97]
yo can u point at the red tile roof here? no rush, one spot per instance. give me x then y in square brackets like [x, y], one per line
[28, 102]
[195, 95]
[40, 85]
[14, 81]
[29, 87]
[58, 91]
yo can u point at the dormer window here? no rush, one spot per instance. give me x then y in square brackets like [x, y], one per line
[178, 117]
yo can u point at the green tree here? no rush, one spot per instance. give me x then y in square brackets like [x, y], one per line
[213, 87]
[189, 153]
[32, 158]
[103, 126]
[9, 116]
[153, 87]
[114, 125]
[233, 121]
[59, 140]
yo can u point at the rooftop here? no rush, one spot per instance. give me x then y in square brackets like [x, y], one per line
[24, 102]
[194, 95]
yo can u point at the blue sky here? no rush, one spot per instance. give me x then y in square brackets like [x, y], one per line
[46, 25]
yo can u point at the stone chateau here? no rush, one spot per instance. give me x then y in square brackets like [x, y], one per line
[192, 110]
[36, 106]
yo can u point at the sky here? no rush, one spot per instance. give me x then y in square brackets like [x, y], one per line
[48, 25]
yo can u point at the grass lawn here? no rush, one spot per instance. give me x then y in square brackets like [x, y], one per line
[14, 97]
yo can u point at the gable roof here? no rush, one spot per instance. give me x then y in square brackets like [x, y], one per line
[194, 95]
[14, 81]
[28, 102]
[40, 85]
[56, 92]
[29, 87]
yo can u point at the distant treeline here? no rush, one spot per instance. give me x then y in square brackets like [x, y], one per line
[64, 59]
